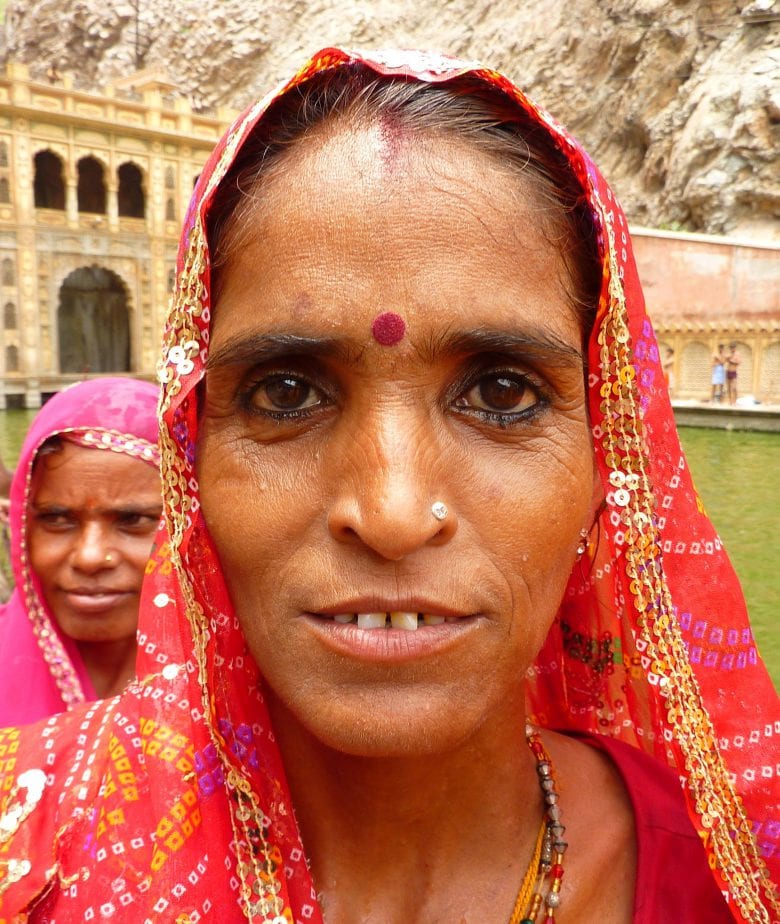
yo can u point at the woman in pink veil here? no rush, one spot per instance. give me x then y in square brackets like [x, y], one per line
[109, 422]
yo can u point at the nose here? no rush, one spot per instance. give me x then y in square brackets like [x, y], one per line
[391, 496]
[92, 550]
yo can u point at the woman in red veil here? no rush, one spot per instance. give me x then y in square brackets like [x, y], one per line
[438, 582]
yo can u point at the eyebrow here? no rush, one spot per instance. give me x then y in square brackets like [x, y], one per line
[133, 509]
[255, 349]
[532, 344]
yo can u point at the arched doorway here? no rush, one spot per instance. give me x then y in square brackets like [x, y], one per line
[93, 322]
[770, 374]
[695, 371]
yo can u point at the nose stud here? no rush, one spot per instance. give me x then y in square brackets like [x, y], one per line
[439, 510]
[108, 559]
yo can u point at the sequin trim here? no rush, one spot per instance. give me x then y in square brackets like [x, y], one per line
[719, 807]
[114, 441]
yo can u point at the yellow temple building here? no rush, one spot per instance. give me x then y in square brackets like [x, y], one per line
[93, 190]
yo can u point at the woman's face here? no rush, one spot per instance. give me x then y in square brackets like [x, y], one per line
[93, 515]
[322, 449]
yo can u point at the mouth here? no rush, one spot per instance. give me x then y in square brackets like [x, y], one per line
[392, 635]
[396, 619]
[92, 600]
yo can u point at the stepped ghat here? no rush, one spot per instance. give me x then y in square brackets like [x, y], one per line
[704, 290]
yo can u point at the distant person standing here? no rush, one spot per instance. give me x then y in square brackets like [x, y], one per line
[732, 362]
[718, 373]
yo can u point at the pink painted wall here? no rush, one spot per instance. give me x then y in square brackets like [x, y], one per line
[697, 278]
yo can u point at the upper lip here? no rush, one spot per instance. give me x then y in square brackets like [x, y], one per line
[382, 604]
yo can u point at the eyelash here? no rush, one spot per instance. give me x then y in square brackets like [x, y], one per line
[246, 395]
[504, 420]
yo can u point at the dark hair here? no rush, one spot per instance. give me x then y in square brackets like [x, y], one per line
[466, 108]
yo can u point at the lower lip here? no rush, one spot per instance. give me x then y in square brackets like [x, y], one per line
[95, 603]
[391, 645]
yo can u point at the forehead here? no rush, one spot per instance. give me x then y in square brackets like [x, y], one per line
[78, 476]
[357, 221]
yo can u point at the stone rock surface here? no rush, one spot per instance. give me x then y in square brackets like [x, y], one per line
[677, 100]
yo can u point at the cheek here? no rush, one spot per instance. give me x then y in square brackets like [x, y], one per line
[256, 508]
[527, 512]
[536, 494]
[46, 552]
[136, 551]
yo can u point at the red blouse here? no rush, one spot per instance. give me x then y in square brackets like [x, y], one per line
[673, 881]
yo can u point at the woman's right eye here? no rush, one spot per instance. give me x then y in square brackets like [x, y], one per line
[54, 519]
[284, 395]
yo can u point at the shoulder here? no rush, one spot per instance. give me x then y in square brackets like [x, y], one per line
[38, 766]
[666, 840]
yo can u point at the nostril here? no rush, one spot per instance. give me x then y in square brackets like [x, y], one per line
[393, 529]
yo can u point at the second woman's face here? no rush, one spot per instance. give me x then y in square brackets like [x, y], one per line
[93, 515]
[395, 332]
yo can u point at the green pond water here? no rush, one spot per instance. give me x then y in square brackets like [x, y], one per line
[736, 475]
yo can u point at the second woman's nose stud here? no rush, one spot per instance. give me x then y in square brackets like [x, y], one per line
[439, 510]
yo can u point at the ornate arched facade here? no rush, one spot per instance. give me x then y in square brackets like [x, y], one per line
[119, 240]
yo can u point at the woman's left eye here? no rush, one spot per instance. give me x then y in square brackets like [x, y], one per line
[499, 394]
[137, 521]
[284, 394]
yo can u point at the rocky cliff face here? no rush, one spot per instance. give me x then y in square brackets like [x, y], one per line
[677, 100]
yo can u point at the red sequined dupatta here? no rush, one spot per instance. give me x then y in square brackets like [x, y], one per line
[174, 795]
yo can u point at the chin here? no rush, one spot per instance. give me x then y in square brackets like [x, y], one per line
[91, 631]
[387, 724]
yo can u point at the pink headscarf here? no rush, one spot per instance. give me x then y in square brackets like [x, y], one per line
[41, 671]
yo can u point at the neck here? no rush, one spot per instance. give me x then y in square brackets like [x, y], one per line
[110, 665]
[434, 837]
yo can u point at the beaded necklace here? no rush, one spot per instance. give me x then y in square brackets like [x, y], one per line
[541, 886]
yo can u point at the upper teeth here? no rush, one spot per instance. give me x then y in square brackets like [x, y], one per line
[403, 620]
[396, 620]
[371, 620]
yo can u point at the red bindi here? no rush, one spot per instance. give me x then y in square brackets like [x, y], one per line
[388, 328]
